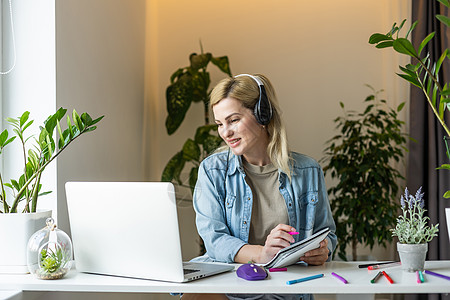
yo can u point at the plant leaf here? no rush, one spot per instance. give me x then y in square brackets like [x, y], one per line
[425, 42]
[203, 132]
[445, 2]
[440, 61]
[444, 167]
[179, 98]
[410, 79]
[24, 118]
[50, 124]
[87, 120]
[404, 46]
[411, 28]
[385, 44]
[222, 63]
[193, 175]
[97, 120]
[169, 170]
[199, 61]
[400, 107]
[444, 19]
[191, 150]
[211, 143]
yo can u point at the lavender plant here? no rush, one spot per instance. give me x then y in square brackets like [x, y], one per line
[412, 225]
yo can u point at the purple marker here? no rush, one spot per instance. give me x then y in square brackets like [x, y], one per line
[437, 275]
[339, 277]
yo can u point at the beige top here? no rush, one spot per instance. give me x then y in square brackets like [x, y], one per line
[269, 207]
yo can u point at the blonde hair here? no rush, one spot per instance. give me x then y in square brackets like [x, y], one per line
[246, 90]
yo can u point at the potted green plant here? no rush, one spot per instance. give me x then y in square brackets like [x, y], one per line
[423, 73]
[360, 158]
[187, 85]
[413, 232]
[19, 217]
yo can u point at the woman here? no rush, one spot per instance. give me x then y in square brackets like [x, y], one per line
[251, 195]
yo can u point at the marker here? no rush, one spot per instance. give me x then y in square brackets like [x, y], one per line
[339, 277]
[419, 277]
[387, 277]
[303, 279]
[277, 269]
[376, 277]
[374, 264]
[437, 275]
[293, 232]
[375, 267]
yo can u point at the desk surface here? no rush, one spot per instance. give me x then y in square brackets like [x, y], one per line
[359, 282]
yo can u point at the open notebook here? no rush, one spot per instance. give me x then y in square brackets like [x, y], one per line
[291, 254]
[130, 229]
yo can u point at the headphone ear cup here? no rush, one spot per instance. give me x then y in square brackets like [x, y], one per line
[263, 108]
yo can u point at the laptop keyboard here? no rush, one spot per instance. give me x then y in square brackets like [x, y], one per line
[189, 271]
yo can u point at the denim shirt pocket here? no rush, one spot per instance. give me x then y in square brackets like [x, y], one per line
[307, 213]
[229, 203]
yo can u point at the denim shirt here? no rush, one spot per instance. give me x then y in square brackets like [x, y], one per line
[223, 203]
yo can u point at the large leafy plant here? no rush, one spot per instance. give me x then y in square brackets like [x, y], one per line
[36, 158]
[422, 72]
[187, 85]
[360, 157]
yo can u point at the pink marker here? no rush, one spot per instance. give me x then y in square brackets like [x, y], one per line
[293, 232]
[277, 269]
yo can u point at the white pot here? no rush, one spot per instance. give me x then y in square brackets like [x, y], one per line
[412, 256]
[15, 231]
[447, 216]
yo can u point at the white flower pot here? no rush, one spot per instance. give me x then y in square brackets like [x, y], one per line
[412, 256]
[15, 231]
[447, 217]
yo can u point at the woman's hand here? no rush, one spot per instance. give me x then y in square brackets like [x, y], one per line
[278, 239]
[317, 256]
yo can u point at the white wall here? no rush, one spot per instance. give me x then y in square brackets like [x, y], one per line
[100, 69]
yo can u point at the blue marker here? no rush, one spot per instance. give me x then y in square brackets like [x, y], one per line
[304, 279]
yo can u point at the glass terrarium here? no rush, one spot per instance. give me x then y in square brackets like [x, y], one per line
[49, 254]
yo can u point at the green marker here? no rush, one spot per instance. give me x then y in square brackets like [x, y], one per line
[422, 279]
[376, 277]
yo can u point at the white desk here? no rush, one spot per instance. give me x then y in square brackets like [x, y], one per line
[359, 282]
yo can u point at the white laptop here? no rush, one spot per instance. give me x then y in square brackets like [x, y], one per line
[130, 229]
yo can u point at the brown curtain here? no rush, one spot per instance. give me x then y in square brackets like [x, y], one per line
[429, 151]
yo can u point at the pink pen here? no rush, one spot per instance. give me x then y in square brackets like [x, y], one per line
[293, 232]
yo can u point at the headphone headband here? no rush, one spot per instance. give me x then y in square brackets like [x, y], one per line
[258, 81]
[263, 107]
